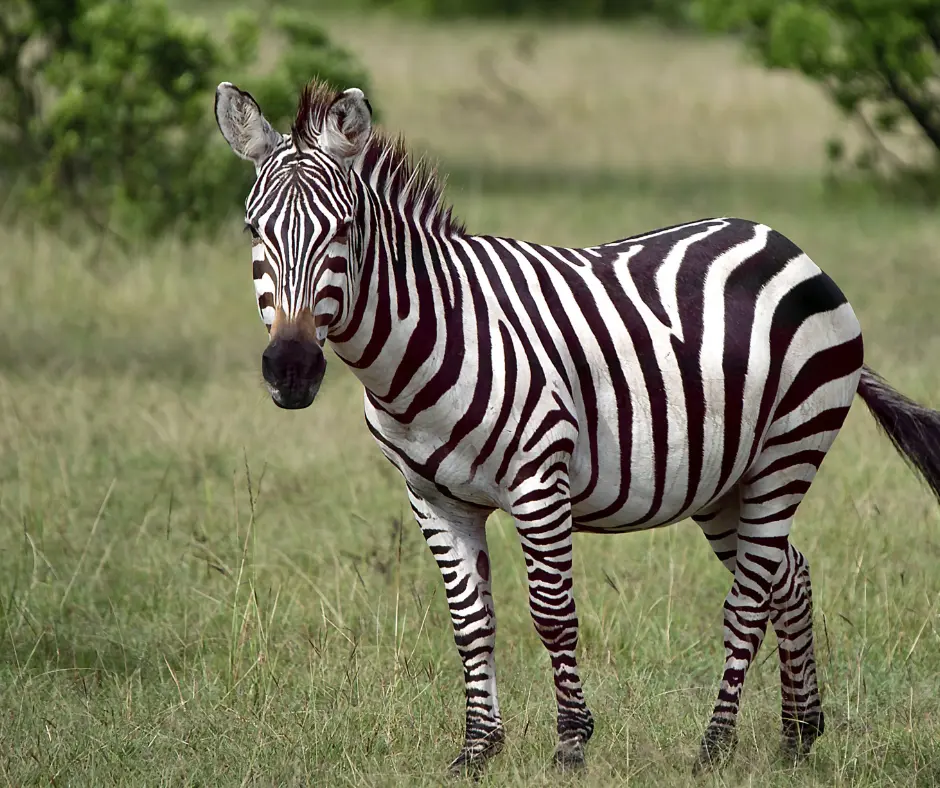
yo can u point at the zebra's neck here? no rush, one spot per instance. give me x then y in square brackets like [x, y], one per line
[402, 289]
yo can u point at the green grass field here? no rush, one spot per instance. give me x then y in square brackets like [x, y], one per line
[197, 588]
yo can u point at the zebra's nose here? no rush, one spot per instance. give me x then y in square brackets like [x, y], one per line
[293, 369]
[270, 365]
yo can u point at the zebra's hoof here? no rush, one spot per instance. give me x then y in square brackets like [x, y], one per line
[717, 745]
[474, 755]
[468, 764]
[799, 735]
[569, 754]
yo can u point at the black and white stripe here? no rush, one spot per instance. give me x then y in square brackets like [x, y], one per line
[701, 370]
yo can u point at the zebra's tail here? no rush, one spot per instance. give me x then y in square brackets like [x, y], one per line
[913, 429]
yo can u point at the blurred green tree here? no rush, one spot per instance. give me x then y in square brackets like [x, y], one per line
[106, 107]
[879, 60]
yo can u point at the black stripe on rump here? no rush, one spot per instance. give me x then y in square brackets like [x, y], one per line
[810, 297]
[742, 291]
[825, 366]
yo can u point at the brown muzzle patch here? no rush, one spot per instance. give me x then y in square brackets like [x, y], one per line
[301, 328]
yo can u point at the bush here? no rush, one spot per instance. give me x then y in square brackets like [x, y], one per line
[878, 60]
[106, 107]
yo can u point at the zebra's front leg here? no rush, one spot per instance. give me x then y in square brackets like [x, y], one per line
[458, 543]
[543, 521]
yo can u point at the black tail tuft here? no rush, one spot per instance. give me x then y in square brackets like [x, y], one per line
[913, 429]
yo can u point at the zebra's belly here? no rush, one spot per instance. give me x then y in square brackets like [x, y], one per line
[640, 489]
[650, 456]
[639, 513]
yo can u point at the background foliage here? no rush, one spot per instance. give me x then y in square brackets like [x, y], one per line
[878, 61]
[106, 106]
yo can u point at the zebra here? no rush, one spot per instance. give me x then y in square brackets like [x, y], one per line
[699, 371]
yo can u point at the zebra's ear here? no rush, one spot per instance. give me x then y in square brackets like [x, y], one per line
[347, 126]
[242, 124]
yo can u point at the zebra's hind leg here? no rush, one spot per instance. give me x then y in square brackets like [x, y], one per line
[776, 484]
[719, 523]
[792, 617]
[760, 553]
[458, 543]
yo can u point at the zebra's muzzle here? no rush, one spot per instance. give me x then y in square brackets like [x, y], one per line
[293, 370]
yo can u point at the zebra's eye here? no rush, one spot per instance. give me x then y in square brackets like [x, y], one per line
[342, 232]
[252, 231]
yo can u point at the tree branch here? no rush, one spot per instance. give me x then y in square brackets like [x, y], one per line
[920, 110]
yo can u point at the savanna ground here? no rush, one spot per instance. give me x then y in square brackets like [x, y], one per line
[197, 588]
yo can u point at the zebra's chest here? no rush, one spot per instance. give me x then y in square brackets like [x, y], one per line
[434, 458]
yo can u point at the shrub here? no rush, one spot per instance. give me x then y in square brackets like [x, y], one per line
[106, 107]
[878, 60]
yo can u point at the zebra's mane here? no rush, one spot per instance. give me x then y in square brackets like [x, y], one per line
[414, 185]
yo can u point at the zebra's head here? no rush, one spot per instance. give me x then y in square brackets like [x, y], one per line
[300, 213]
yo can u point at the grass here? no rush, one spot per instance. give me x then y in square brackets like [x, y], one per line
[199, 589]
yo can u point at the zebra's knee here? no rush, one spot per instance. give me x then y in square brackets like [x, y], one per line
[801, 563]
[556, 634]
[792, 578]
